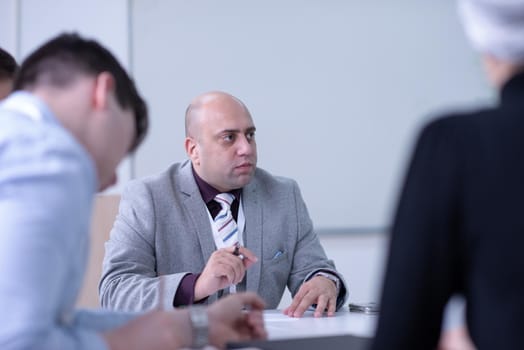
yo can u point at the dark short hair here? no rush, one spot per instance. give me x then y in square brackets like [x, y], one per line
[8, 65]
[58, 62]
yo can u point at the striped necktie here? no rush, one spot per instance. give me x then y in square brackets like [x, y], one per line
[225, 224]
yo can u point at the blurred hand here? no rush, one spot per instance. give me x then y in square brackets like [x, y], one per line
[223, 269]
[455, 339]
[237, 317]
[318, 290]
[156, 330]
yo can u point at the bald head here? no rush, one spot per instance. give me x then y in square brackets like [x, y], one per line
[209, 104]
[220, 140]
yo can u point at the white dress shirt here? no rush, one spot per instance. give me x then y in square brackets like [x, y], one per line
[47, 182]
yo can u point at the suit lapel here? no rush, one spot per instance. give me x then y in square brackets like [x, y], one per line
[202, 227]
[198, 213]
[253, 231]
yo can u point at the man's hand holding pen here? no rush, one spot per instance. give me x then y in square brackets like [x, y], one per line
[226, 266]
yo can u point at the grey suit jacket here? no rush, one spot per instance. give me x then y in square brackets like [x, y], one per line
[163, 228]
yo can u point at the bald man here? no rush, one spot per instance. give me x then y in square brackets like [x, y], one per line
[173, 224]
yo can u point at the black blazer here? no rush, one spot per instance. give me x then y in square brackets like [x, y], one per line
[459, 228]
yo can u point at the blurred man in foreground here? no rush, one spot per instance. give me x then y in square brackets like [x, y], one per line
[75, 115]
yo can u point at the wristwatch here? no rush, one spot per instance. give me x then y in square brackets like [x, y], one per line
[199, 323]
[331, 277]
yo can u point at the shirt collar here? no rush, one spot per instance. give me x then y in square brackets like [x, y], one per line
[29, 106]
[208, 192]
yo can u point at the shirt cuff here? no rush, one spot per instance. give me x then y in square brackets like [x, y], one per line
[185, 293]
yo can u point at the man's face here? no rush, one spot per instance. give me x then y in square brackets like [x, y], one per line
[225, 152]
[116, 136]
[6, 85]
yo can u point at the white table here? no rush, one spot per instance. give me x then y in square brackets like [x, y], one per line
[280, 326]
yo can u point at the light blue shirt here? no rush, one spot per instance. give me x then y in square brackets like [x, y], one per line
[47, 183]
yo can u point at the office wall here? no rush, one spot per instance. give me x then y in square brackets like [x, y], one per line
[8, 26]
[338, 89]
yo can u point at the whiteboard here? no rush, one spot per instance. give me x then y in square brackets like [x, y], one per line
[338, 89]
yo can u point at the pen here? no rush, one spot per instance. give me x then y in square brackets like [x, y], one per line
[161, 291]
[236, 252]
